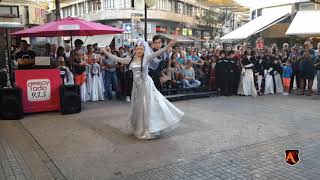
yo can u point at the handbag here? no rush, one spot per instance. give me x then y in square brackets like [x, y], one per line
[164, 78]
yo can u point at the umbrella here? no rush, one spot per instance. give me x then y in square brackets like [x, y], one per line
[68, 27]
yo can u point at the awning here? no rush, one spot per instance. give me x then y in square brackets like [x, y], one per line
[180, 39]
[256, 25]
[305, 23]
[102, 40]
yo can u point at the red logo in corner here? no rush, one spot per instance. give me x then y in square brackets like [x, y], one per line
[292, 156]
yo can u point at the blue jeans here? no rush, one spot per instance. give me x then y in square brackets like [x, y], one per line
[110, 81]
[318, 81]
[191, 83]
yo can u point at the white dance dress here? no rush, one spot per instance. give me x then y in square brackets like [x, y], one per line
[246, 86]
[95, 87]
[150, 111]
[269, 85]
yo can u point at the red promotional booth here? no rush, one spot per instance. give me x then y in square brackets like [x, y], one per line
[40, 89]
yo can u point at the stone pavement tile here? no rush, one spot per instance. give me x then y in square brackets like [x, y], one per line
[21, 157]
[252, 163]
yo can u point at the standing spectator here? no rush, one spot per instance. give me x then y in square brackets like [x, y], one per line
[189, 76]
[110, 79]
[247, 85]
[295, 64]
[259, 71]
[80, 67]
[286, 48]
[277, 67]
[286, 77]
[25, 57]
[67, 52]
[317, 66]
[212, 83]
[308, 69]
[60, 53]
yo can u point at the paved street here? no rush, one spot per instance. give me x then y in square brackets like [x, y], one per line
[219, 138]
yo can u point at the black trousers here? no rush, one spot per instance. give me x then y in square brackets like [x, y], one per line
[155, 75]
[228, 87]
[127, 83]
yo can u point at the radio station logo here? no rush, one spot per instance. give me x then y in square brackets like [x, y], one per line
[38, 90]
[292, 156]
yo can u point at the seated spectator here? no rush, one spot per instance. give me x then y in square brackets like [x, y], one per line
[189, 76]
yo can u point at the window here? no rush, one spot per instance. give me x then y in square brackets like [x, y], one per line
[9, 11]
[307, 6]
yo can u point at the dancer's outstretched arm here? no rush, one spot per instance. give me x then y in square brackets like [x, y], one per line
[116, 58]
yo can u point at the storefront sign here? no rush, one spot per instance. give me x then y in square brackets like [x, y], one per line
[185, 32]
[37, 15]
[161, 29]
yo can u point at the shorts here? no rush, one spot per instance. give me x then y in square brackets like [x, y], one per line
[286, 82]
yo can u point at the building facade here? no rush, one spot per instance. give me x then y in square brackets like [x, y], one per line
[163, 18]
[17, 15]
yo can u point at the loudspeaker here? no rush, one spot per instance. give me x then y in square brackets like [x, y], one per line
[70, 99]
[11, 107]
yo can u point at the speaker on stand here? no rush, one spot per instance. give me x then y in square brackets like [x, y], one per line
[11, 103]
[70, 99]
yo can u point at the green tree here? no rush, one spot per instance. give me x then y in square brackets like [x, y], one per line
[216, 18]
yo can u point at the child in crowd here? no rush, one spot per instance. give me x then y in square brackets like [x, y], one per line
[95, 85]
[286, 77]
[65, 73]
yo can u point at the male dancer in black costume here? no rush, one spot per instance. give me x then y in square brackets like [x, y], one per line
[156, 67]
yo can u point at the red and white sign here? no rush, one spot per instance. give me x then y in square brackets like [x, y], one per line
[40, 89]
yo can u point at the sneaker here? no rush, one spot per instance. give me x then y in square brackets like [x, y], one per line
[128, 98]
[300, 92]
[285, 94]
[309, 93]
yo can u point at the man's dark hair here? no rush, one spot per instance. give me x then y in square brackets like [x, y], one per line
[89, 45]
[24, 41]
[222, 52]
[121, 48]
[78, 42]
[156, 37]
[230, 52]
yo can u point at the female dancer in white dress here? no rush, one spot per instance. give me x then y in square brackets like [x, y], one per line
[150, 111]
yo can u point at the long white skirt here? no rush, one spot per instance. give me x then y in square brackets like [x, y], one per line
[95, 88]
[279, 85]
[150, 111]
[84, 92]
[246, 86]
[269, 86]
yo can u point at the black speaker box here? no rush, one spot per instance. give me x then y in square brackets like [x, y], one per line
[11, 107]
[70, 99]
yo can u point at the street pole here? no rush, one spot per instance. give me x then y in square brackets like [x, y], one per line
[145, 22]
[58, 17]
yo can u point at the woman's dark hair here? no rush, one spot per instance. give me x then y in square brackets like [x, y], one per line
[173, 53]
[134, 56]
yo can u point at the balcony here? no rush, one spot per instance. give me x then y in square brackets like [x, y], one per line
[11, 22]
[113, 14]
